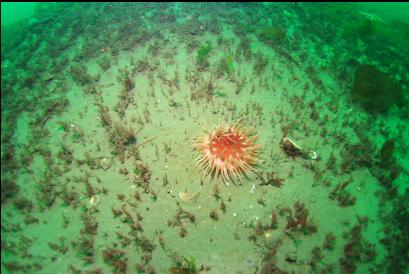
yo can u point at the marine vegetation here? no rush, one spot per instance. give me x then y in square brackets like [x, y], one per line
[227, 64]
[203, 53]
[188, 266]
[274, 35]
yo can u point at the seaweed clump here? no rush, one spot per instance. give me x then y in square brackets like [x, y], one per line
[9, 189]
[343, 196]
[298, 220]
[115, 258]
[274, 35]
[396, 239]
[122, 137]
[357, 250]
[203, 53]
[374, 90]
[80, 74]
[187, 266]
[227, 64]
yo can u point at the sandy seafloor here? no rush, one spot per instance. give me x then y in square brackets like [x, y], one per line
[64, 178]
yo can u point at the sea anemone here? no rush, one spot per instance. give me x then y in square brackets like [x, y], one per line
[227, 151]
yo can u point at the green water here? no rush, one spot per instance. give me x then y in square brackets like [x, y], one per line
[204, 138]
[388, 11]
[12, 13]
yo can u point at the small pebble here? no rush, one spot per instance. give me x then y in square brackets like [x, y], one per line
[250, 261]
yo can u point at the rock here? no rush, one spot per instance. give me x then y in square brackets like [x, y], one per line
[387, 150]
[291, 257]
[250, 261]
[374, 90]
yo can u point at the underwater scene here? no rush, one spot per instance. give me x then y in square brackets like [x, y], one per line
[205, 138]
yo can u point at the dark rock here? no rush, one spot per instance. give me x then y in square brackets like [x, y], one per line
[374, 90]
[387, 150]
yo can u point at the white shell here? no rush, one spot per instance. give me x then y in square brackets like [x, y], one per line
[312, 155]
[189, 197]
[94, 200]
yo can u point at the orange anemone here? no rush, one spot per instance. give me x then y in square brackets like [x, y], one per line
[227, 151]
